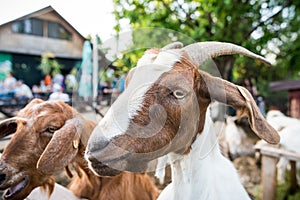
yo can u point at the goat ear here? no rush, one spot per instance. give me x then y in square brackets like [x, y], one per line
[61, 149]
[241, 99]
[9, 126]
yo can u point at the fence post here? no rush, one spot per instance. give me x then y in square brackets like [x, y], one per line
[269, 175]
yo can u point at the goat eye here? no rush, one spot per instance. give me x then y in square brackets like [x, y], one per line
[51, 129]
[179, 94]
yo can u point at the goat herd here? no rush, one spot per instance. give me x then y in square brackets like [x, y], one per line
[161, 118]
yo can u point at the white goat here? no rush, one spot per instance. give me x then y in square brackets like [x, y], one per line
[237, 139]
[279, 121]
[289, 131]
[167, 113]
[238, 142]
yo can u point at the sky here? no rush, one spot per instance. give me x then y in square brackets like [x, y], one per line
[87, 17]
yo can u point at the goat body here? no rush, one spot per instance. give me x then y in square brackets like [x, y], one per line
[279, 121]
[49, 136]
[240, 143]
[204, 173]
[288, 129]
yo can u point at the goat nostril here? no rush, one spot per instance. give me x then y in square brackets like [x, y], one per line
[2, 178]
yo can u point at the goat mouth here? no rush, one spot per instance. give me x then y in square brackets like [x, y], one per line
[101, 169]
[16, 189]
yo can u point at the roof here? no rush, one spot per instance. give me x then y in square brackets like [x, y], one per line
[43, 11]
[285, 85]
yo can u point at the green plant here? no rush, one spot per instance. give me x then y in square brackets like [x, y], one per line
[49, 64]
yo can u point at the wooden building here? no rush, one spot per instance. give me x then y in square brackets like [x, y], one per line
[24, 40]
[293, 88]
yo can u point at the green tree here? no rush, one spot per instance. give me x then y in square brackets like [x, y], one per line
[265, 27]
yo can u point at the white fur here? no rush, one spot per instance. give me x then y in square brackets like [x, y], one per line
[288, 129]
[279, 121]
[149, 68]
[160, 168]
[203, 173]
[59, 192]
[239, 143]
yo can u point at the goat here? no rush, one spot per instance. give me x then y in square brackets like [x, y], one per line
[59, 192]
[279, 121]
[288, 129]
[164, 111]
[49, 136]
[237, 139]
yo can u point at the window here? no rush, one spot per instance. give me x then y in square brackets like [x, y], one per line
[28, 26]
[55, 30]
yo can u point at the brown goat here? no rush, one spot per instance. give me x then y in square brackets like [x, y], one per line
[48, 137]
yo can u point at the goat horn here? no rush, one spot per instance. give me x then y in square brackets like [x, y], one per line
[202, 51]
[173, 45]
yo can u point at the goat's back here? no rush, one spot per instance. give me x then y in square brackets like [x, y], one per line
[122, 187]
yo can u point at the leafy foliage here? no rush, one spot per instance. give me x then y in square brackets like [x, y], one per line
[49, 65]
[266, 27]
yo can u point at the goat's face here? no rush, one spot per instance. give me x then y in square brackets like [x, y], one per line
[150, 118]
[161, 111]
[32, 130]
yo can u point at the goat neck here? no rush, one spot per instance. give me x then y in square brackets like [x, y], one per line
[203, 173]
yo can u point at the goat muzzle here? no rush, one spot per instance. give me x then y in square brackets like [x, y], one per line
[14, 191]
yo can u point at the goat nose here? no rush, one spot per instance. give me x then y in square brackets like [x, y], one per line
[97, 140]
[2, 178]
[97, 144]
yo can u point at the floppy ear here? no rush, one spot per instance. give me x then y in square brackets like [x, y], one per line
[241, 99]
[62, 148]
[9, 126]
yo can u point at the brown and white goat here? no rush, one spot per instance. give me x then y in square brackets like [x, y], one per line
[49, 136]
[164, 111]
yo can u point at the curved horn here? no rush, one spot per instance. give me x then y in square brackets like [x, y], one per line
[202, 51]
[173, 45]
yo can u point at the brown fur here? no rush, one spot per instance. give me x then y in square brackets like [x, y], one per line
[31, 152]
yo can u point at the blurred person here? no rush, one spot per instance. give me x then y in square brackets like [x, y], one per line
[35, 89]
[58, 94]
[43, 87]
[250, 87]
[48, 80]
[2, 90]
[8, 87]
[105, 88]
[9, 82]
[70, 82]
[105, 92]
[22, 92]
[119, 87]
[58, 79]
[261, 105]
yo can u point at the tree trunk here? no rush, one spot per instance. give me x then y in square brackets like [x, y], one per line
[225, 65]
